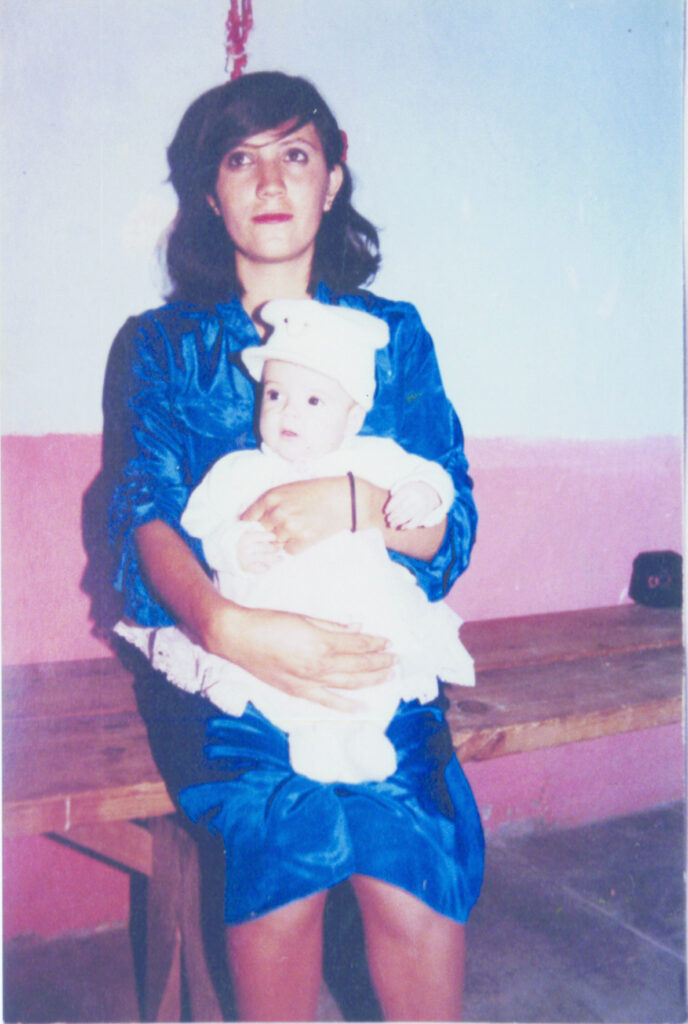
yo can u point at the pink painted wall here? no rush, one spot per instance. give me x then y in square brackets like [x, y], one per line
[560, 524]
[561, 521]
[45, 614]
[581, 782]
[50, 889]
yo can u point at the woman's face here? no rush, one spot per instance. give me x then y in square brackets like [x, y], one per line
[271, 192]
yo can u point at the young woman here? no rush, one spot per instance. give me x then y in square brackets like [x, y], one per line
[265, 212]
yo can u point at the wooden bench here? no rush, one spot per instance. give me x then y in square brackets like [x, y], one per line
[546, 680]
[77, 766]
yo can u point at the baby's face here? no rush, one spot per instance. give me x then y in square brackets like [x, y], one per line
[305, 414]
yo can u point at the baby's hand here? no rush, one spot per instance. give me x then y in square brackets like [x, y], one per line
[257, 550]
[410, 505]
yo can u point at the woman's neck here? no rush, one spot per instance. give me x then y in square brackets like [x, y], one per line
[265, 281]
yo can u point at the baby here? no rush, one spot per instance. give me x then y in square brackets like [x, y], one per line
[317, 370]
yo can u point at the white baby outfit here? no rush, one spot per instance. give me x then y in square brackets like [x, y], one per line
[348, 578]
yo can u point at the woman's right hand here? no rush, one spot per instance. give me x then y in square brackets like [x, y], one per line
[305, 657]
[299, 655]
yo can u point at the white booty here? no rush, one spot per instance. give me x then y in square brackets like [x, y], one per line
[342, 752]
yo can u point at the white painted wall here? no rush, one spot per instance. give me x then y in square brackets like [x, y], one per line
[522, 158]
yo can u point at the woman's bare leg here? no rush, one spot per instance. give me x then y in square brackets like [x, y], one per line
[415, 955]
[276, 962]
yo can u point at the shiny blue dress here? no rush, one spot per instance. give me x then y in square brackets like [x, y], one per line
[177, 399]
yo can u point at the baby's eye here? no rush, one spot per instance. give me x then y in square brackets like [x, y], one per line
[296, 155]
[314, 400]
[272, 395]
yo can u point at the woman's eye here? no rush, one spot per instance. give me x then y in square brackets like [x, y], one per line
[295, 155]
[237, 158]
[314, 400]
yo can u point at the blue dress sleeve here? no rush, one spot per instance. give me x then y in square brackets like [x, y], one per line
[414, 409]
[143, 456]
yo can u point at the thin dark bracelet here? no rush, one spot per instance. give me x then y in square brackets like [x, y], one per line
[352, 489]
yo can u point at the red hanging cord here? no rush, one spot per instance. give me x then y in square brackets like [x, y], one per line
[238, 25]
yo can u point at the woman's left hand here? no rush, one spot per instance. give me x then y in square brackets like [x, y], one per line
[303, 513]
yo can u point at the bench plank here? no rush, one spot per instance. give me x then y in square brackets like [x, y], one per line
[78, 769]
[569, 636]
[55, 689]
[75, 750]
[52, 689]
[529, 707]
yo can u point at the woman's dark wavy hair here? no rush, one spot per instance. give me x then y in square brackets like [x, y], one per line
[200, 254]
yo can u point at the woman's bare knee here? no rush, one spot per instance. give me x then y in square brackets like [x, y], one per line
[284, 926]
[415, 954]
[276, 961]
[393, 909]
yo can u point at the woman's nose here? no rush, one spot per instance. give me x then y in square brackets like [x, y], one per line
[270, 178]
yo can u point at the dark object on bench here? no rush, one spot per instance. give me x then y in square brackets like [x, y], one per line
[657, 579]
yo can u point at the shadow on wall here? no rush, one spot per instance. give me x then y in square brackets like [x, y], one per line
[96, 582]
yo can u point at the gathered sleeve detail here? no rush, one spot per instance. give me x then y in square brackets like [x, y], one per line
[144, 440]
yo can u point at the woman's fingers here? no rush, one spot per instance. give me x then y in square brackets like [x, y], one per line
[337, 691]
[302, 513]
[302, 656]
[255, 512]
[361, 642]
[355, 679]
[353, 660]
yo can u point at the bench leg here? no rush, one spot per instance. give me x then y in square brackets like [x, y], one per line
[173, 930]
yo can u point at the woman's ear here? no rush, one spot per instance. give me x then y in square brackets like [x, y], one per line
[334, 185]
[212, 203]
[355, 418]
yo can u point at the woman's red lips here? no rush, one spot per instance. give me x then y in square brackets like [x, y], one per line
[271, 218]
